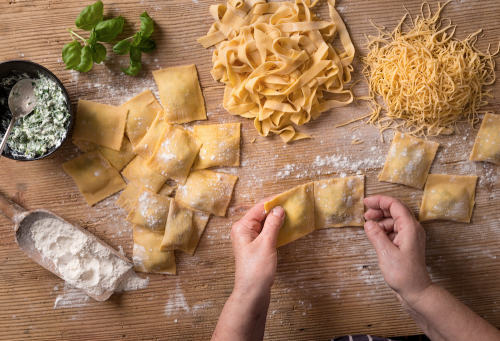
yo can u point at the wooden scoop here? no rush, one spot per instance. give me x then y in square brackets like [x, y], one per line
[24, 221]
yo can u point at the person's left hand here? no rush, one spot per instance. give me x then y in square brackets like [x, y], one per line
[255, 248]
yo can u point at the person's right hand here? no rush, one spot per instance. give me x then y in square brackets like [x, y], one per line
[399, 241]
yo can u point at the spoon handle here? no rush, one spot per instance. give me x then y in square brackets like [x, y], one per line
[6, 136]
[11, 210]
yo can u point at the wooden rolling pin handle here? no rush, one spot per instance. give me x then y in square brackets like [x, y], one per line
[11, 210]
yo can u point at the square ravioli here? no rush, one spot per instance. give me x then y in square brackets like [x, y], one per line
[207, 191]
[128, 197]
[487, 145]
[117, 158]
[150, 210]
[147, 256]
[100, 123]
[175, 153]
[298, 204]
[142, 111]
[95, 177]
[200, 221]
[180, 94]
[409, 161]
[142, 176]
[339, 202]
[448, 197]
[221, 145]
[146, 147]
[179, 227]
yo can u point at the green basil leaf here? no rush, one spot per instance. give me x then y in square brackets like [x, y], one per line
[133, 69]
[90, 16]
[107, 30]
[137, 39]
[93, 37]
[123, 47]
[86, 60]
[147, 25]
[98, 53]
[71, 54]
[147, 45]
[135, 53]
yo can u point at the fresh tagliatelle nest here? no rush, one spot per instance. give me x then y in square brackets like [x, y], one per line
[428, 79]
[278, 62]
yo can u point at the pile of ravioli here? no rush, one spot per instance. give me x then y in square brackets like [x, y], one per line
[339, 202]
[149, 145]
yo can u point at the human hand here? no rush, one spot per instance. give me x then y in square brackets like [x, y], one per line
[399, 240]
[255, 248]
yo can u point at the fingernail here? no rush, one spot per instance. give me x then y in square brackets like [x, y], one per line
[369, 225]
[279, 212]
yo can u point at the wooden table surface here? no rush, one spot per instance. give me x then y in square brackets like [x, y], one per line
[327, 284]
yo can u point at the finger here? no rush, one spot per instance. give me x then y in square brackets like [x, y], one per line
[391, 236]
[379, 239]
[387, 224]
[272, 226]
[395, 207]
[253, 218]
[375, 214]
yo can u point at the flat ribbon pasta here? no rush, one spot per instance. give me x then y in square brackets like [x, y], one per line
[277, 62]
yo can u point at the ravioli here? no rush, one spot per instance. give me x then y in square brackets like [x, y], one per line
[175, 153]
[150, 210]
[180, 94]
[95, 177]
[298, 204]
[147, 256]
[409, 161]
[179, 227]
[207, 191]
[166, 190]
[142, 111]
[128, 197]
[221, 145]
[487, 145]
[339, 202]
[200, 221]
[117, 159]
[100, 123]
[146, 147]
[142, 176]
[448, 197]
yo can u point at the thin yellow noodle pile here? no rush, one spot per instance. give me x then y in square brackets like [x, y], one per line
[429, 80]
[278, 63]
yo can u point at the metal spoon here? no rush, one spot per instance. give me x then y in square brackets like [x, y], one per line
[22, 100]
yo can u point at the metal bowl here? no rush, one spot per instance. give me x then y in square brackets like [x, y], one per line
[11, 67]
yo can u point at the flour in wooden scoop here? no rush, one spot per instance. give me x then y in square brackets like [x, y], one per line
[81, 260]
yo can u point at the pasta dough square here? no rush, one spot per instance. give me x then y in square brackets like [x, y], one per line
[339, 202]
[207, 191]
[175, 153]
[128, 197]
[409, 161]
[142, 111]
[487, 145]
[448, 197]
[200, 221]
[95, 177]
[179, 227]
[100, 123]
[180, 94]
[147, 256]
[221, 145]
[142, 176]
[298, 204]
[117, 159]
[150, 210]
[146, 147]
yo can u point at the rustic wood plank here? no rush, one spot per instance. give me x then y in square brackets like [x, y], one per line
[328, 283]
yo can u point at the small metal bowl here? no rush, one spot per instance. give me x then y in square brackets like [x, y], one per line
[7, 69]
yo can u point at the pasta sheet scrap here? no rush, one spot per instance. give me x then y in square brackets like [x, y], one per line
[448, 197]
[487, 145]
[147, 256]
[278, 62]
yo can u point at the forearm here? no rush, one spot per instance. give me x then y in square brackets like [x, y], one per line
[243, 317]
[442, 317]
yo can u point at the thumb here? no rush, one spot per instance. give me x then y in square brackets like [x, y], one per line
[272, 226]
[378, 238]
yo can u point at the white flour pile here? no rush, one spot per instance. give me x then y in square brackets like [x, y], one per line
[83, 262]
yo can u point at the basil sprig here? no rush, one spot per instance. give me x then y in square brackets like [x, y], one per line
[90, 19]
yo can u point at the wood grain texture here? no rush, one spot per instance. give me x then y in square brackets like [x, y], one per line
[328, 284]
